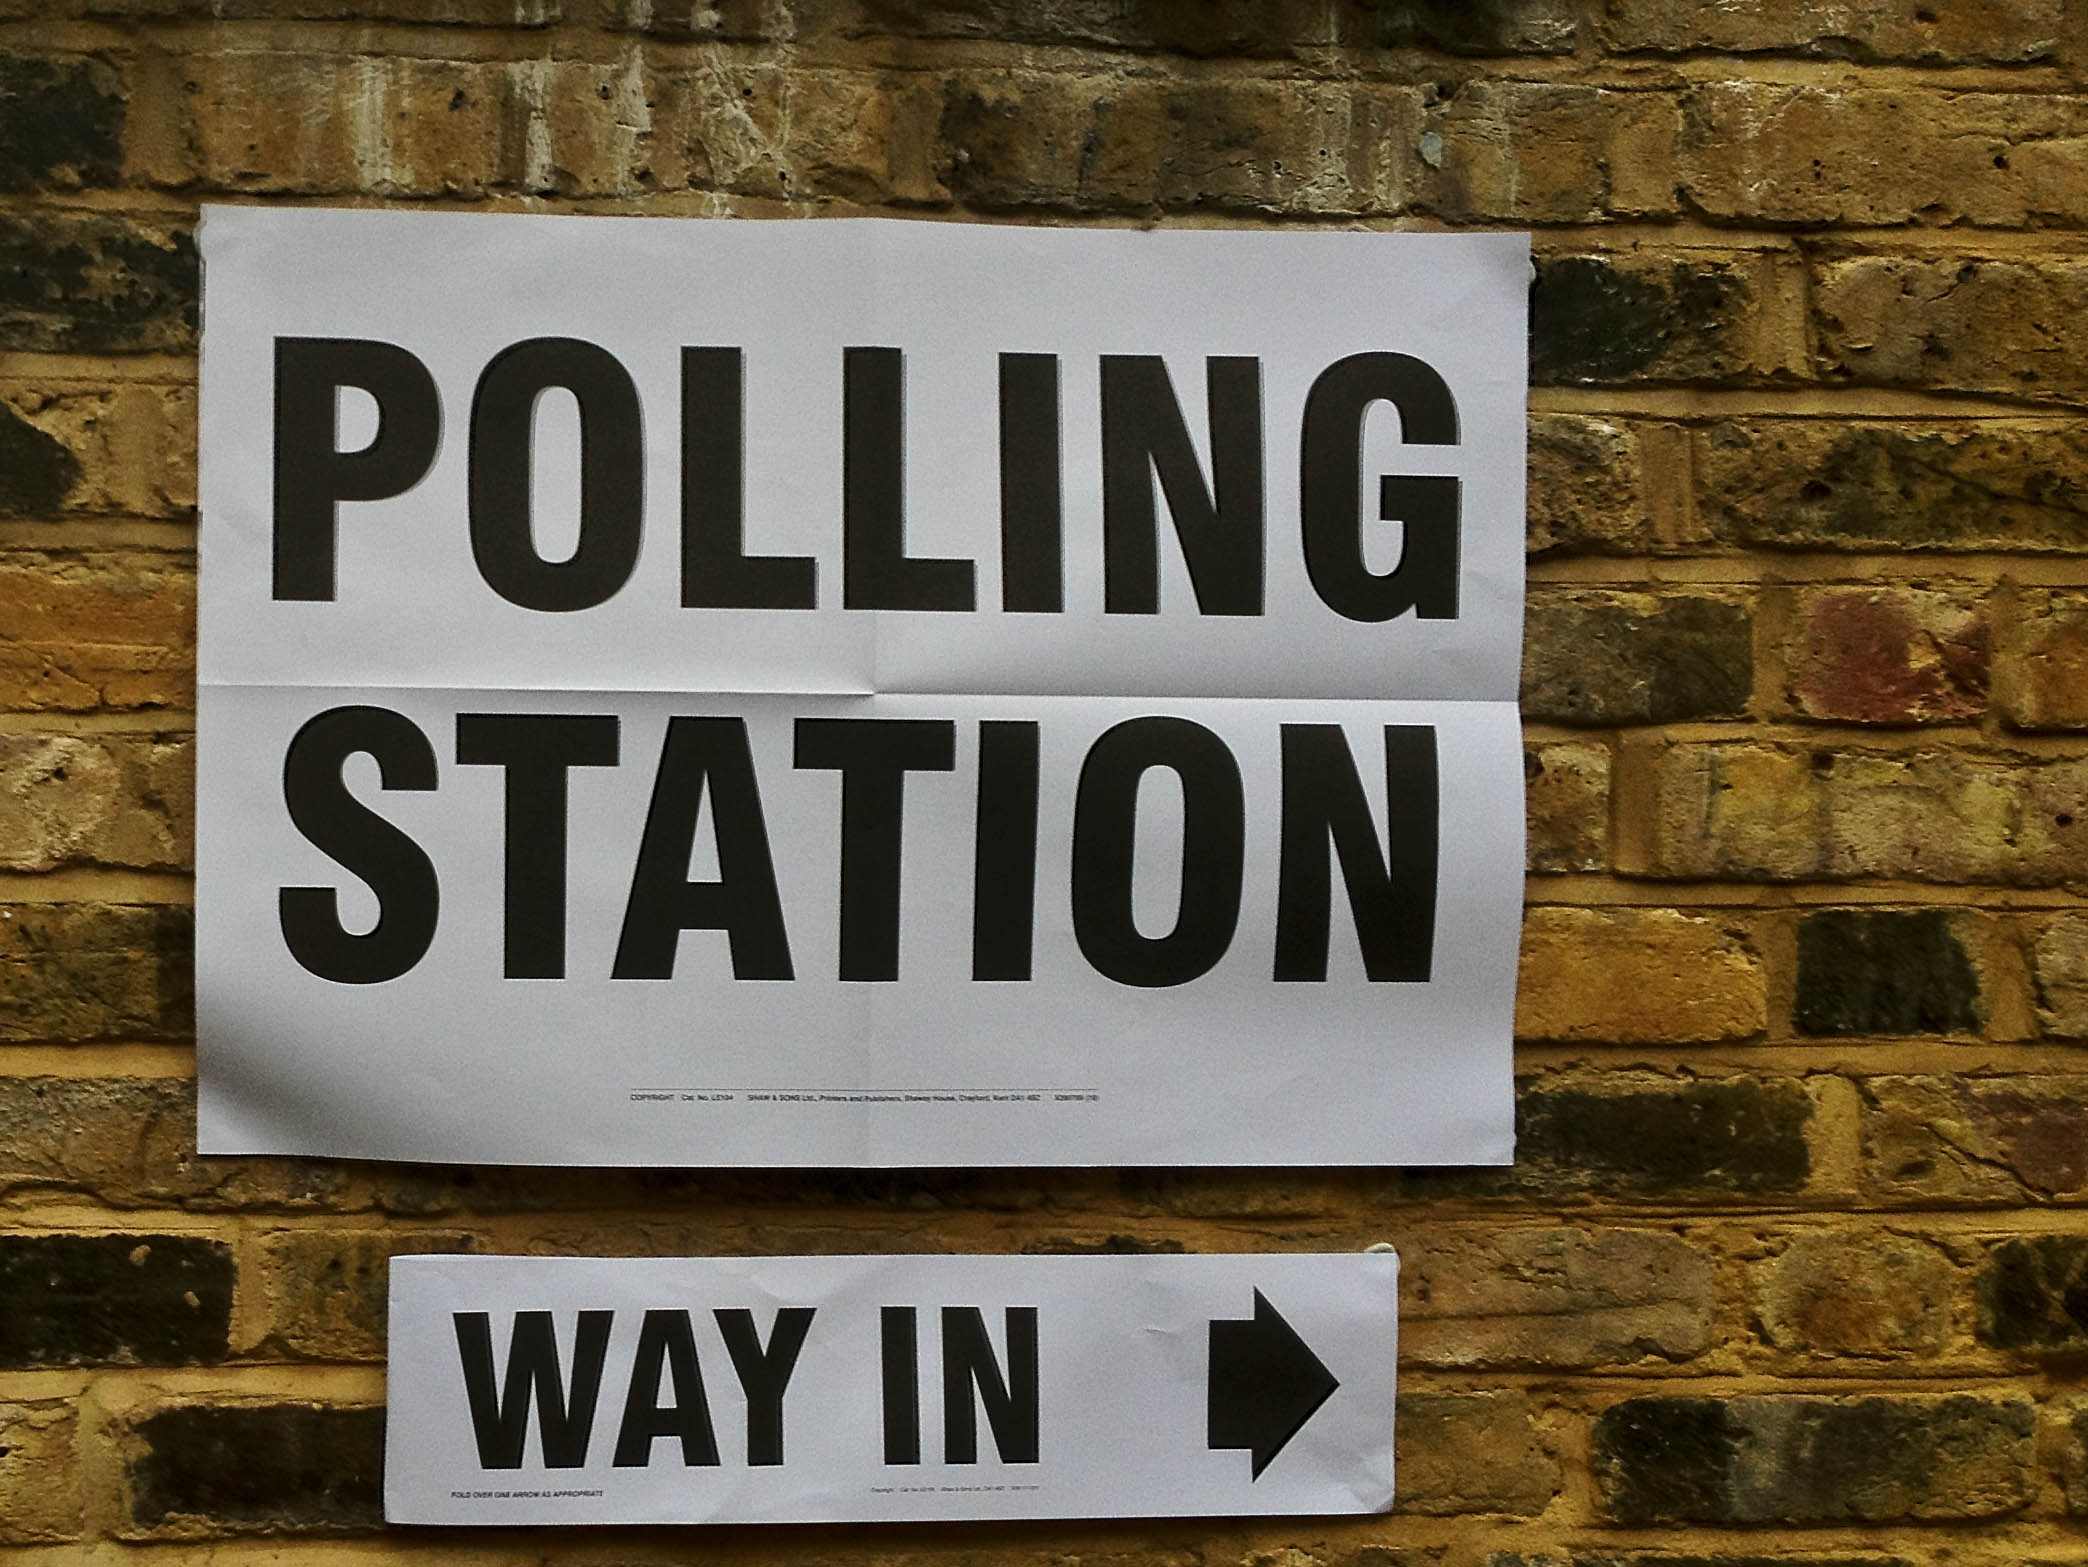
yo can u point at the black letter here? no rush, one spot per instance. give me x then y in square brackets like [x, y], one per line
[1011, 1406]
[1032, 547]
[901, 1359]
[1143, 433]
[716, 570]
[612, 474]
[1214, 836]
[876, 571]
[765, 1373]
[312, 476]
[342, 827]
[501, 1423]
[537, 749]
[1004, 851]
[873, 756]
[743, 901]
[665, 1334]
[1392, 895]
[1331, 482]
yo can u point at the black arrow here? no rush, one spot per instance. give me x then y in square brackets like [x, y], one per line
[1264, 1384]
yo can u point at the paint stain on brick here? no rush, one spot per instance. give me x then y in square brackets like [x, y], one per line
[1872, 658]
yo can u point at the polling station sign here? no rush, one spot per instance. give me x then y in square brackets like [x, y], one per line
[546, 1390]
[857, 692]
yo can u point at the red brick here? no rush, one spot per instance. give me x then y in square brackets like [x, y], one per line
[1986, 1140]
[1890, 656]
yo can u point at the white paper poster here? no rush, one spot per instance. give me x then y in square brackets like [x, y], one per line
[546, 1390]
[856, 692]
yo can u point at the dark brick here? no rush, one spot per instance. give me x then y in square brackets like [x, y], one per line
[1865, 971]
[1643, 1134]
[1477, 27]
[2033, 1295]
[37, 471]
[1805, 1459]
[1596, 319]
[1827, 484]
[302, 1467]
[147, 1300]
[93, 284]
[1730, 1134]
[1104, 1246]
[1038, 142]
[61, 123]
[1640, 658]
[72, 972]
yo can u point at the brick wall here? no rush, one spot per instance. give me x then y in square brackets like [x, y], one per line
[1793, 1266]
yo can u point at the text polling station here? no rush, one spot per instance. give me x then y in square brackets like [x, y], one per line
[855, 692]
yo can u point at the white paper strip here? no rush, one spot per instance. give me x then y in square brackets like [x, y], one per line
[832, 1389]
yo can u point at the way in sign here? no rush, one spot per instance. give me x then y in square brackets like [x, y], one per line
[567, 1390]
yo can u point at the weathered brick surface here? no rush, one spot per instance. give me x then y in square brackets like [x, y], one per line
[127, 451]
[327, 1288]
[1872, 971]
[42, 1497]
[129, 1143]
[199, 1469]
[1829, 155]
[2042, 677]
[1764, 1458]
[1665, 975]
[90, 283]
[2000, 32]
[73, 972]
[157, 1300]
[2073, 1462]
[96, 631]
[2033, 1295]
[1976, 324]
[1531, 152]
[1890, 656]
[1899, 485]
[1635, 658]
[1830, 1293]
[2059, 967]
[1587, 486]
[1984, 1140]
[1472, 1453]
[97, 799]
[1553, 1298]
[1567, 794]
[1783, 813]
[1635, 316]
